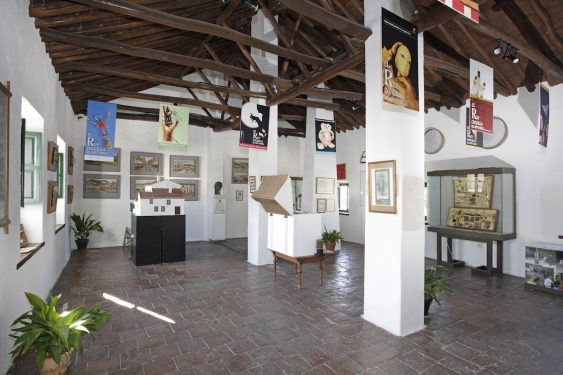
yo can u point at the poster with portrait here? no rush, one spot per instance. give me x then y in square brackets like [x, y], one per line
[325, 143]
[544, 115]
[173, 125]
[254, 126]
[481, 83]
[472, 137]
[400, 61]
[100, 131]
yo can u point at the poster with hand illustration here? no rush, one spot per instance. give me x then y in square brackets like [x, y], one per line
[254, 126]
[173, 125]
[326, 137]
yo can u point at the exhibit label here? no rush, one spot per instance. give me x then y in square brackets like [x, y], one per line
[326, 137]
[481, 97]
[173, 129]
[100, 131]
[544, 115]
[254, 126]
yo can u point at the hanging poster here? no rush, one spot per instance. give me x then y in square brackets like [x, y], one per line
[174, 121]
[400, 61]
[544, 115]
[468, 8]
[254, 126]
[326, 136]
[481, 96]
[100, 131]
[472, 137]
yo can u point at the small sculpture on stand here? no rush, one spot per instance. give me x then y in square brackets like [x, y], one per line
[218, 188]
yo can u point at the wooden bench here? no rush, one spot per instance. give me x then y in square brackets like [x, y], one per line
[298, 262]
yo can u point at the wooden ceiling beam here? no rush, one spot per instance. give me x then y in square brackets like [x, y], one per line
[326, 105]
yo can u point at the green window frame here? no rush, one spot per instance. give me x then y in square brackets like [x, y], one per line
[61, 175]
[344, 197]
[32, 168]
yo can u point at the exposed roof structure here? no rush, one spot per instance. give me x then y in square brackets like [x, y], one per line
[109, 49]
[162, 193]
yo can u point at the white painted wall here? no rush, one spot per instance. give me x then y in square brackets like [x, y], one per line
[290, 156]
[25, 64]
[539, 190]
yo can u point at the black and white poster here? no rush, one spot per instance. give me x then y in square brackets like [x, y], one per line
[544, 115]
[254, 126]
[472, 137]
[326, 136]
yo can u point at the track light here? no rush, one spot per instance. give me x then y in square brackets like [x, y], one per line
[355, 106]
[252, 5]
[510, 52]
[498, 48]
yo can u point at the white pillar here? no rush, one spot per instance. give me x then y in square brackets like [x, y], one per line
[262, 162]
[394, 243]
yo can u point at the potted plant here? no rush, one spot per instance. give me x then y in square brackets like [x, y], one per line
[82, 227]
[54, 336]
[435, 283]
[330, 238]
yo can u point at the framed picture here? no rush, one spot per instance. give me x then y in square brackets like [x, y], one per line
[325, 185]
[137, 184]
[70, 161]
[321, 205]
[105, 166]
[251, 184]
[69, 194]
[190, 189]
[330, 205]
[341, 171]
[382, 187]
[184, 166]
[106, 186]
[240, 171]
[52, 196]
[52, 156]
[239, 195]
[5, 95]
[146, 164]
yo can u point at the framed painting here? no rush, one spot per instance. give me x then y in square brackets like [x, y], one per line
[104, 186]
[382, 187]
[52, 196]
[5, 95]
[240, 171]
[321, 206]
[52, 156]
[69, 194]
[184, 166]
[239, 196]
[105, 166]
[325, 185]
[190, 189]
[70, 161]
[146, 164]
[138, 184]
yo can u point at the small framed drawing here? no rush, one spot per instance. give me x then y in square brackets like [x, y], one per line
[105, 166]
[52, 156]
[184, 166]
[330, 205]
[52, 196]
[70, 161]
[240, 171]
[106, 186]
[137, 184]
[239, 195]
[146, 164]
[251, 184]
[190, 189]
[382, 187]
[325, 185]
[69, 194]
[321, 205]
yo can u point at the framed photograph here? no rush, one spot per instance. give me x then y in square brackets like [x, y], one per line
[325, 185]
[5, 95]
[52, 156]
[105, 166]
[321, 206]
[251, 184]
[239, 195]
[382, 187]
[69, 194]
[146, 164]
[101, 186]
[240, 171]
[52, 196]
[330, 205]
[137, 184]
[190, 189]
[70, 161]
[184, 166]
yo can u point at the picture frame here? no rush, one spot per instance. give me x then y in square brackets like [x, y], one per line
[330, 205]
[146, 164]
[5, 96]
[382, 187]
[52, 156]
[69, 194]
[321, 205]
[137, 184]
[239, 171]
[52, 196]
[251, 184]
[101, 186]
[190, 188]
[239, 196]
[324, 185]
[184, 166]
[70, 161]
[105, 166]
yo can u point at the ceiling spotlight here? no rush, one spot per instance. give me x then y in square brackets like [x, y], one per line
[355, 106]
[511, 54]
[253, 5]
[498, 48]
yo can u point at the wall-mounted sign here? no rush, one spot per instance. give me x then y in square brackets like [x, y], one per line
[254, 126]
[472, 137]
[326, 137]
[100, 131]
[173, 129]
[481, 95]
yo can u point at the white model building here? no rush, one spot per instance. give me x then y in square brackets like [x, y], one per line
[159, 201]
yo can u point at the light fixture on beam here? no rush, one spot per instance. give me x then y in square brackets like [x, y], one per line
[498, 49]
[252, 4]
[510, 52]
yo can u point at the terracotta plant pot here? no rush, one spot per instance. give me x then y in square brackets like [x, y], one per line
[50, 367]
[81, 244]
[330, 246]
[427, 303]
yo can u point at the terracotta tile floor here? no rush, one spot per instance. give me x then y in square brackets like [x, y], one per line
[233, 318]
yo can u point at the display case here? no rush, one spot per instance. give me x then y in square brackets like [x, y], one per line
[544, 267]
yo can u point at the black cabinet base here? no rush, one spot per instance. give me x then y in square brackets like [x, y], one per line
[453, 264]
[158, 239]
[483, 271]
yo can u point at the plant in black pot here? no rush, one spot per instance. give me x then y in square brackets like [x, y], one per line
[330, 238]
[435, 283]
[82, 226]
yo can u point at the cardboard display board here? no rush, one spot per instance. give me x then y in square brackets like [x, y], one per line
[274, 194]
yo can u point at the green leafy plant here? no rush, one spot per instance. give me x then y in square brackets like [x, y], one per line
[52, 334]
[84, 225]
[435, 282]
[331, 236]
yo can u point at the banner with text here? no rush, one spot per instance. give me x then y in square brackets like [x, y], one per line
[326, 136]
[481, 84]
[174, 121]
[472, 137]
[100, 131]
[254, 126]
[544, 115]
